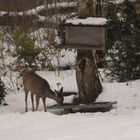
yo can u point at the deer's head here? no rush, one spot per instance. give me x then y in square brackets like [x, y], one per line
[60, 98]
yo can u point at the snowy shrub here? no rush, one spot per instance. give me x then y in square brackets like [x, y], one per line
[7, 62]
[51, 49]
[25, 50]
[2, 91]
[123, 43]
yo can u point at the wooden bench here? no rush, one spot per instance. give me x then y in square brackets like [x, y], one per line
[95, 107]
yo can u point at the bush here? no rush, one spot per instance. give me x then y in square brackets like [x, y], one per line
[25, 50]
[2, 91]
[123, 50]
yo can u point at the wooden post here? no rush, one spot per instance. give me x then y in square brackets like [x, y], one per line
[88, 81]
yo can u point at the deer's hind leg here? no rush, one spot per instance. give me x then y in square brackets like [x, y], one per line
[44, 103]
[37, 102]
[32, 99]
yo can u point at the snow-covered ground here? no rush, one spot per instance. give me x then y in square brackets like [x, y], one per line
[122, 123]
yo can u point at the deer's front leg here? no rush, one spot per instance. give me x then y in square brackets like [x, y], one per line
[26, 105]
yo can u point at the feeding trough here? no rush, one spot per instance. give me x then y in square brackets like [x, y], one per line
[89, 33]
[95, 107]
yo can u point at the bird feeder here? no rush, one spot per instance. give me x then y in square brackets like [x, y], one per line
[89, 33]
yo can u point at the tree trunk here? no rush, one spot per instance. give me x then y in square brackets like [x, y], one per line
[88, 81]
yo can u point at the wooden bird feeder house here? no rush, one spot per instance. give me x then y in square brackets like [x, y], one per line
[89, 33]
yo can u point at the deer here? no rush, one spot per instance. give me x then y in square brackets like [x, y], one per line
[39, 87]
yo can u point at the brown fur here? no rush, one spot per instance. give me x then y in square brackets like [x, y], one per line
[41, 89]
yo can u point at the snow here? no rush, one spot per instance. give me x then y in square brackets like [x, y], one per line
[87, 21]
[68, 127]
[120, 1]
[122, 123]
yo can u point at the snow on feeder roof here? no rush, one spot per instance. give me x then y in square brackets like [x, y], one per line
[91, 21]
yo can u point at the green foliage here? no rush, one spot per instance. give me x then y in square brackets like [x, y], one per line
[123, 49]
[25, 49]
[2, 91]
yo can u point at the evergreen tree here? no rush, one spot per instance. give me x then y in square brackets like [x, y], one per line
[124, 44]
[25, 50]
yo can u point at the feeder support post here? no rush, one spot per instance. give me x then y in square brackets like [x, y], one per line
[88, 82]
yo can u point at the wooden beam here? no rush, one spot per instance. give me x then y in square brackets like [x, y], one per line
[95, 107]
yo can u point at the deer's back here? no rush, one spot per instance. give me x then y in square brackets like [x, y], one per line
[35, 84]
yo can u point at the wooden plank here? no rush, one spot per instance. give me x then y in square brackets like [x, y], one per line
[85, 37]
[82, 106]
[95, 107]
[68, 93]
[63, 106]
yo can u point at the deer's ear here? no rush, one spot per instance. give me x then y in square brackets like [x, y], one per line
[61, 91]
